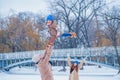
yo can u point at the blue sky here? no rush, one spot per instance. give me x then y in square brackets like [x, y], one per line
[34, 6]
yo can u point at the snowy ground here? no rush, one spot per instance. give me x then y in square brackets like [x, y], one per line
[88, 73]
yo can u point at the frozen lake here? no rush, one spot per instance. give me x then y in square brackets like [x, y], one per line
[88, 73]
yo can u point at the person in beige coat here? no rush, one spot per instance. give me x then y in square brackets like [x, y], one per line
[44, 66]
[42, 60]
[74, 68]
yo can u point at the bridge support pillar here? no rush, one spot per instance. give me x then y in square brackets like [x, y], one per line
[114, 61]
[106, 62]
[3, 63]
[90, 58]
[98, 59]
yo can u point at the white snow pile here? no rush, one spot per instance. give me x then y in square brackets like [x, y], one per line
[117, 77]
[88, 73]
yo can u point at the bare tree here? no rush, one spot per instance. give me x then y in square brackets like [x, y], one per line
[77, 16]
[112, 29]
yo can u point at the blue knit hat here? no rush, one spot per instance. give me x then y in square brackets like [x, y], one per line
[76, 62]
[50, 17]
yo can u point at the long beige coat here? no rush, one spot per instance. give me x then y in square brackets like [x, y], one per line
[74, 75]
[45, 67]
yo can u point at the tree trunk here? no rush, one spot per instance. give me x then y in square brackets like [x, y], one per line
[118, 57]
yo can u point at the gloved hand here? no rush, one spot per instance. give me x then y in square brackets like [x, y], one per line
[68, 55]
[35, 58]
[85, 59]
[73, 34]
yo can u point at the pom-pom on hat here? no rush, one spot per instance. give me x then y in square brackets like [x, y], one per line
[50, 17]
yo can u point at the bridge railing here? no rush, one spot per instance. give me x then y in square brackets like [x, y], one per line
[99, 55]
[103, 51]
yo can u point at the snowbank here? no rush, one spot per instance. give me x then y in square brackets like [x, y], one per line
[87, 70]
[117, 77]
[88, 73]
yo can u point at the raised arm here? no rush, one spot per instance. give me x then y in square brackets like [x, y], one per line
[48, 53]
[81, 64]
[68, 60]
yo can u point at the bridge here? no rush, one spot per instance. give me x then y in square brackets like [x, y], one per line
[104, 56]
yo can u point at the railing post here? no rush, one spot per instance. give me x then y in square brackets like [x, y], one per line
[114, 61]
[106, 62]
